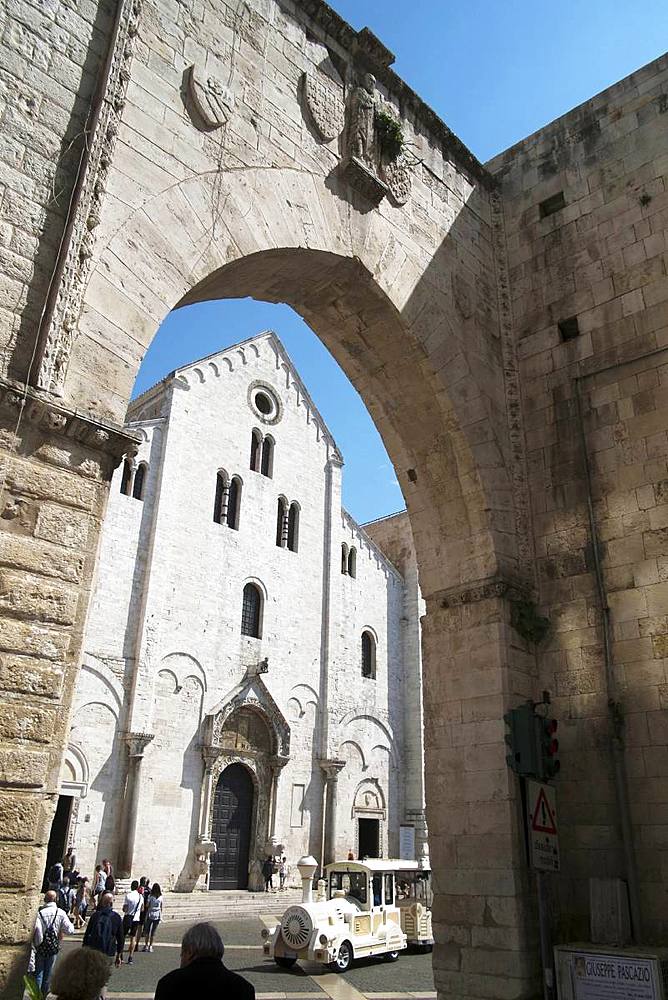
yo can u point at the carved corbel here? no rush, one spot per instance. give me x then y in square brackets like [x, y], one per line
[136, 743]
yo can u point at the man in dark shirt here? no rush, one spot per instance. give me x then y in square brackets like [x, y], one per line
[202, 973]
[105, 930]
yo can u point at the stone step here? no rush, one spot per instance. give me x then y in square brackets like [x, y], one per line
[219, 905]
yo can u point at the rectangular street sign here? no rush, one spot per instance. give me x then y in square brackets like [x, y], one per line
[542, 827]
[614, 977]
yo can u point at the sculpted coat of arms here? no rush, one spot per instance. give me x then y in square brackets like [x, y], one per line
[373, 156]
[211, 99]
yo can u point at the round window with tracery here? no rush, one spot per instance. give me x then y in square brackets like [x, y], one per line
[264, 403]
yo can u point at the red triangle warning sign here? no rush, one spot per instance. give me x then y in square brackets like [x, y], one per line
[543, 819]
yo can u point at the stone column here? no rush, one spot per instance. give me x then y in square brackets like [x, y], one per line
[277, 764]
[55, 467]
[210, 755]
[331, 769]
[136, 744]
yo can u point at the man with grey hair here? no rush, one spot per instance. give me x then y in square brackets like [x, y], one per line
[202, 973]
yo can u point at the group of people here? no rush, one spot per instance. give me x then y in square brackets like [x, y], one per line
[272, 866]
[83, 974]
[69, 895]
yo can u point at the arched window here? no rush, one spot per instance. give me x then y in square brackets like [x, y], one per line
[256, 448]
[368, 655]
[251, 611]
[140, 482]
[293, 527]
[281, 519]
[126, 480]
[344, 558]
[352, 561]
[234, 503]
[267, 467]
[222, 497]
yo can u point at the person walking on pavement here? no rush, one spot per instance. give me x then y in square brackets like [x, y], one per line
[132, 918]
[153, 915]
[202, 973]
[81, 975]
[268, 872]
[282, 872]
[105, 930]
[50, 926]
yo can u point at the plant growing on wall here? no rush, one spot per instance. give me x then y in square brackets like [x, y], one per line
[390, 135]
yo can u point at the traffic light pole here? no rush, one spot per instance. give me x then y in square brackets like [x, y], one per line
[546, 952]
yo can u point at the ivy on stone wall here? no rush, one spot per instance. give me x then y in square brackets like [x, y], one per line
[390, 135]
[527, 622]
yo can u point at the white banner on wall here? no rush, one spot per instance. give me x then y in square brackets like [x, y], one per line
[407, 843]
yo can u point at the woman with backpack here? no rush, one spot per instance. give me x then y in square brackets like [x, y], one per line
[154, 906]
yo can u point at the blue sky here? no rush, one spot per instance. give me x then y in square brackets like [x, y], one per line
[495, 71]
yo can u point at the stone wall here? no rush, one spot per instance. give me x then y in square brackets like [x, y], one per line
[600, 258]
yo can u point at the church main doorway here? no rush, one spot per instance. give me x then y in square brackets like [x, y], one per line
[231, 827]
[368, 838]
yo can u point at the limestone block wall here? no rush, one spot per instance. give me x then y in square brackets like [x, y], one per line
[600, 258]
[51, 57]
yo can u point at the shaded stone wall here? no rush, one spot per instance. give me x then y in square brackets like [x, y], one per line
[602, 259]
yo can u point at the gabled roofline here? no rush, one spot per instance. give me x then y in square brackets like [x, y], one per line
[269, 335]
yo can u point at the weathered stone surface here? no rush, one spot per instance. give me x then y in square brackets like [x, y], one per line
[32, 597]
[23, 768]
[19, 816]
[30, 676]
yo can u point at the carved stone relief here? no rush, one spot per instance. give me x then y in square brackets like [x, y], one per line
[365, 164]
[212, 100]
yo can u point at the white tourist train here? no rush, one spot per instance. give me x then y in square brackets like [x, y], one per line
[367, 908]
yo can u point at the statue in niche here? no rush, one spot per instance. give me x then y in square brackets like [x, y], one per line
[360, 130]
[374, 161]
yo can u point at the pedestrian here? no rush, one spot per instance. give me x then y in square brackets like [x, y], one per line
[109, 880]
[268, 872]
[50, 926]
[65, 896]
[154, 904]
[81, 975]
[70, 859]
[105, 930]
[131, 918]
[351, 856]
[55, 876]
[283, 872]
[81, 902]
[98, 884]
[202, 973]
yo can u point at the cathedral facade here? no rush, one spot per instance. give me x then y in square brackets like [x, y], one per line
[251, 678]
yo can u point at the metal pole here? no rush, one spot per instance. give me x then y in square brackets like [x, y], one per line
[546, 953]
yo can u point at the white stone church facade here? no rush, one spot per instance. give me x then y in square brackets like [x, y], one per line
[251, 672]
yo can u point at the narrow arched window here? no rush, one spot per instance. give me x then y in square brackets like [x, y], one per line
[293, 527]
[251, 611]
[352, 561]
[267, 467]
[368, 655]
[222, 496]
[256, 448]
[126, 479]
[281, 528]
[344, 558]
[140, 482]
[234, 503]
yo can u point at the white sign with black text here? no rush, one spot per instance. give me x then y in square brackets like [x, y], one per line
[407, 843]
[614, 977]
[542, 827]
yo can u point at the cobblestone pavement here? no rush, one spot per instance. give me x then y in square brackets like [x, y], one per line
[410, 978]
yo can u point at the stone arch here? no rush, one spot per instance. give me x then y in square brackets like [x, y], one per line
[376, 308]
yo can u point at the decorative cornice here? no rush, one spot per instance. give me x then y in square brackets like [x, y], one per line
[55, 418]
[484, 590]
[63, 310]
[367, 50]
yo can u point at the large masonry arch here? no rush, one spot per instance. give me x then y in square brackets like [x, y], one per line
[228, 154]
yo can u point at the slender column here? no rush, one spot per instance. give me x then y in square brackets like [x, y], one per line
[210, 755]
[136, 744]
[277, 764]
[331, 769]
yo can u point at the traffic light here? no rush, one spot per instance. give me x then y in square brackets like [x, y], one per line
[549, 748]
[524, 756]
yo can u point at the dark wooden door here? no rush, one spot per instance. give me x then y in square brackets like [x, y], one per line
[369, 838]
[232, 811]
